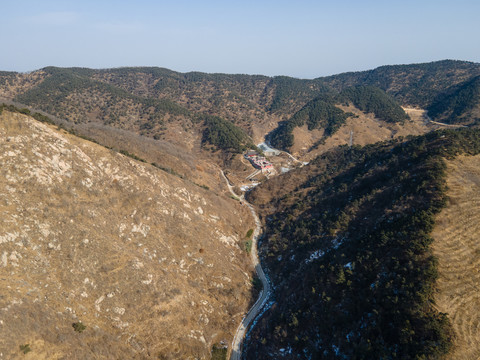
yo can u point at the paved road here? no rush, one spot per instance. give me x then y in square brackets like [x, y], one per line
[236, 350]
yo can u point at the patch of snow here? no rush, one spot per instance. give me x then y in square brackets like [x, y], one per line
[314, 256]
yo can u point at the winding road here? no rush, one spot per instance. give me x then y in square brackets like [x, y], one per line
[236, 349]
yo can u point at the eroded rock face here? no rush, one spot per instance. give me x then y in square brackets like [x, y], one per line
[151, 264]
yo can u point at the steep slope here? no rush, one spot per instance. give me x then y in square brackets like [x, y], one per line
[460, 105]
[458, 250]
[152, 265]
[116, 106]
[348, 247]
[147, 100]
[371, 99]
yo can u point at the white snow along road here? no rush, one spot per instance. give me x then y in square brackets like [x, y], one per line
[236, 350]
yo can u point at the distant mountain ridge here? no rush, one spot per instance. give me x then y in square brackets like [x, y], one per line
[157, 102]
[413, 84]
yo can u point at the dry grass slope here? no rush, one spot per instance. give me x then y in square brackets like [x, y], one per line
[151, 264]
[457, 247]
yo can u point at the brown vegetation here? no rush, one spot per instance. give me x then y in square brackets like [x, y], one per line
[458, 250]
[151, 264]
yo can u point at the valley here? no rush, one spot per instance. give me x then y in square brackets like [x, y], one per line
[152, 214]
[236, 349]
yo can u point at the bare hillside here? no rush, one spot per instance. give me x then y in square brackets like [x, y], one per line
[458, 250]
[151, 264]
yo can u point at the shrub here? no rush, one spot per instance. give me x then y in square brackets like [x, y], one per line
[78, 326]
[219, 352]
[248, 246]
[25, 348]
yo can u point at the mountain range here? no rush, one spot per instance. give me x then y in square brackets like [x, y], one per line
[120, 238]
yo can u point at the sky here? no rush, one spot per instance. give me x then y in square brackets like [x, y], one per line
[299, 38]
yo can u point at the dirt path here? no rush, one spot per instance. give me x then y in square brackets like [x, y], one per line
[236, 350]
[421, 114]
[457, 247]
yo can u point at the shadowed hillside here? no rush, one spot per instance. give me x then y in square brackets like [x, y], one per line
[460, 105]
[348, 245]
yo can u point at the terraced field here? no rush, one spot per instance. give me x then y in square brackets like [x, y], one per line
[457, 246]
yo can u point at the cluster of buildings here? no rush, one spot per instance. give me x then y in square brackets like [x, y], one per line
[259, 162]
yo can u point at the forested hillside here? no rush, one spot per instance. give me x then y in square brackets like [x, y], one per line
[224, 135]
[413, 84]
[71, 94]
[371, 99]
[319, 113]
[347, 239]
[324, 113]
[161, 104]
[77, 96]
[348, 246]
[460, 105]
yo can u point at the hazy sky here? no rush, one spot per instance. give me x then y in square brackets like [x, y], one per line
[301, 38]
